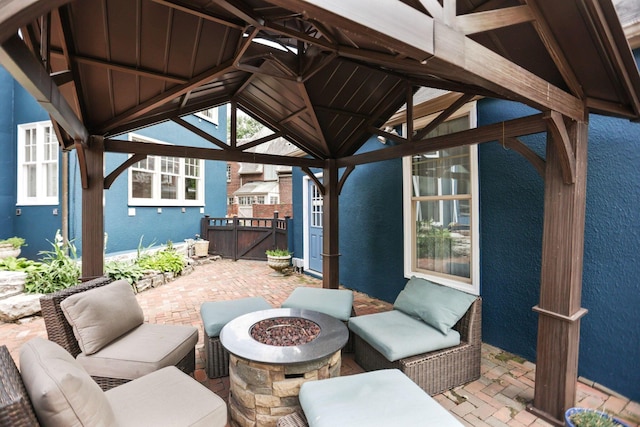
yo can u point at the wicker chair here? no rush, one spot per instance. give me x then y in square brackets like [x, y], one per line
[438, 370]
[18, 410]
[61, 332]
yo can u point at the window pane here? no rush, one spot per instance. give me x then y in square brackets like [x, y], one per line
[170, 165]
[30, 145]
[168, 186]
[141, 184]
[30, 177]
[441, 173]
[191, 189]
[192, 167]
[443, 240]
[51, 179]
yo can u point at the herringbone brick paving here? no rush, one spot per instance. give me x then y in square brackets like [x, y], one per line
[498, 398]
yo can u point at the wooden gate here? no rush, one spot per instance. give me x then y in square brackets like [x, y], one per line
[244, 238]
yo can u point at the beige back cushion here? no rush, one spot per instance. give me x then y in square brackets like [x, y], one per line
[62, 393]
[99, 316]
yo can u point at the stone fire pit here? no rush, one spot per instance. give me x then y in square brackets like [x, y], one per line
[265, 377]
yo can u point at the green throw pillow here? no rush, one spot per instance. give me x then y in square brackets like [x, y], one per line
[437, 305]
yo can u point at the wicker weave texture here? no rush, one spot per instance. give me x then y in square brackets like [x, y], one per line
[217, 358]
[292, 420]
[439, 370]
[15, 406]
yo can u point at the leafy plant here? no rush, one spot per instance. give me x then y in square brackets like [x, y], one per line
[592, 418]
[278, 252]
[166, 260]
[19, 264]
[16, 242]
[58, 270]
[117, 270]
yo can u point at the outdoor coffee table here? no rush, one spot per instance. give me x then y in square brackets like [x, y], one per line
[265, 379]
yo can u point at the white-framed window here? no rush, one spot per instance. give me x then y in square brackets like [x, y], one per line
[166, 181]
[230, 200]
[270, 173]
[273, 200]
[210, 115]
[38, 152]
[228, 172]
[245, 200]
[441, 213]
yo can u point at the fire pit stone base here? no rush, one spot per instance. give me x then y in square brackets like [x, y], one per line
[261, 393]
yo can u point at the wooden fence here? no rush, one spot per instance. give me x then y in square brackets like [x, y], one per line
[244, 238]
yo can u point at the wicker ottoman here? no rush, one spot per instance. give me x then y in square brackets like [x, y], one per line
[216, 314]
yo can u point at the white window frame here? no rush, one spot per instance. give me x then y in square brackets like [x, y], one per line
[40, 162]
[209, 114]
[471, 285]
[156, 199]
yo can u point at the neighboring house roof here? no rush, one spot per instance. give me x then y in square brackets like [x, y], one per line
[257, 188]
[276, 146]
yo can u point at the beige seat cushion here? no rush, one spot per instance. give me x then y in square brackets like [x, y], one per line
[166, 397]
[99, 316]
[143, 350]
[62, 393]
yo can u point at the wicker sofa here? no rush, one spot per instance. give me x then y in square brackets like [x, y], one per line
[60, 331]
[51, 388]
[438, 370]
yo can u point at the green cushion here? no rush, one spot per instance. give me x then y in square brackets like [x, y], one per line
[439, 306]
[334, 302]
[379, 398]
[216, 314]
[397, 335]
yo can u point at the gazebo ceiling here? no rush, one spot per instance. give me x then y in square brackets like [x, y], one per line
[325, 74]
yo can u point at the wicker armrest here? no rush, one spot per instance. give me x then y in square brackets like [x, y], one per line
[16, 409]
[470, 325]
[58, 329]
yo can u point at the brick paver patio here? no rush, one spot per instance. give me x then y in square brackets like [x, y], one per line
[498, 398]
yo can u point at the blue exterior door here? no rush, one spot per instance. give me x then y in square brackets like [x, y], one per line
[315, 227]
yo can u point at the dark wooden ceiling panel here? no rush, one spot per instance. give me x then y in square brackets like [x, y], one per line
[327, 79]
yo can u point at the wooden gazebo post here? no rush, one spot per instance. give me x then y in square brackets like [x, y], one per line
[92, 209]
[561, 275]
[330, 224]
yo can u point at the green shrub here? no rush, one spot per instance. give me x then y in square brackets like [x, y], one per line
[277, 252]
[19, 264]
[129, 271]
[16, 242]
[166, 260]
[58, 270]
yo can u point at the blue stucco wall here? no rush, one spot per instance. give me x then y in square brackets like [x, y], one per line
[123, 231]
[370, 232]
[7, 160]
[511, 210]
[36, 224]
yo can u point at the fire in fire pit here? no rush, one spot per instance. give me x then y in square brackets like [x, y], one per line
[285, 331]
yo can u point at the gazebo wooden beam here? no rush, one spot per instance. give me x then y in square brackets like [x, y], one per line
[27, 70]
[561, 278]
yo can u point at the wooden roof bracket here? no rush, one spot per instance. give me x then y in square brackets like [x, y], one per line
[562, 143]
[521, 148]
[117, 171]
[314, 178]
[344, 177]
[82, 164]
